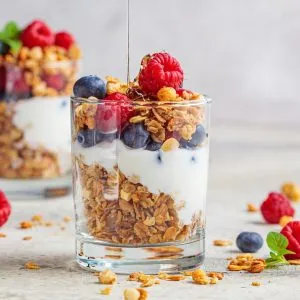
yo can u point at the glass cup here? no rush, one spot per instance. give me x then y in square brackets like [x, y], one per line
[140, 190]
[35, 138]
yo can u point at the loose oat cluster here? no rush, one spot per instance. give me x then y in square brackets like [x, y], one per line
[136, 216]
[34, 62]
[247, 262]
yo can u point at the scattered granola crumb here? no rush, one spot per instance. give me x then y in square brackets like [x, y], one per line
[67, 219]
[48, 224]
[217, 275]
[3, 235]
[187, 273]
[106, 291]
[27, 238]
[291, 191]
[26, 225]
[247, 262]
[256, 283]
[295, 262]
[252, 207]
[200, 277]
[285, 220]
[107, 277]
[222, 243]
[37, 218]
[135, 294]
[31, 266]
[213, 280]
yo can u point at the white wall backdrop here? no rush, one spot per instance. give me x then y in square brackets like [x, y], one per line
[244, 54]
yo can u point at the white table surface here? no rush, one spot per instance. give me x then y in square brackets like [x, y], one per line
[246, 163]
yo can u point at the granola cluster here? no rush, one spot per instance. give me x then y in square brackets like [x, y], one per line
[247, 262]
[122, 210]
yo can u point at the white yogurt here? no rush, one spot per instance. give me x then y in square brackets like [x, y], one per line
[45, 122]
[180, 173]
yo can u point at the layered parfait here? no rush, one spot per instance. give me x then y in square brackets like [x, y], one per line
[140, 152]
[38, 68]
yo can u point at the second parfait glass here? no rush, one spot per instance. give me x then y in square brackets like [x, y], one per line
[140, 187]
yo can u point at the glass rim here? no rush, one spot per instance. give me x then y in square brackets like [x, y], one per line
[203, 100]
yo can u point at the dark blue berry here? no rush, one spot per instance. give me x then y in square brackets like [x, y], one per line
[135, 136]
[249, 242]
[4, 48]
[89, 137]
[197, 138]
[89, 86]
[153, 146]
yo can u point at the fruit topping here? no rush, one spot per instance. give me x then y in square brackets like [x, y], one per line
[20, 89]
[153, 146]
[4, 48]
[158, 71]
[292, 232]
[276, 206]
[89, 86]
[197, 138]
[55, 81]
[37, 33]
[5, 208]
[249, 242]
[64, 39]
[135, 136]
[89, 137]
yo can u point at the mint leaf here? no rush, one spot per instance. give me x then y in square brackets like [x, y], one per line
[11, 30]
[14, 45]
[277, 242]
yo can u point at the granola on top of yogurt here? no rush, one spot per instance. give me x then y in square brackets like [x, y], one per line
[38, 68]
[140, 153]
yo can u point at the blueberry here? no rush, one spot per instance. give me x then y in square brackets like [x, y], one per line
[89, 137]
[4, 48]
[135, 136]
[153, 146]
[197, 138]
[249, 242]
[89, 86]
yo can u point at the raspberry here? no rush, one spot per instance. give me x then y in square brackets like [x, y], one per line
[5, 209]
[292, 232]
[111, 116]
[276, 206]
[37, 34]
[64, 39]
[55, 81]
[158, 71]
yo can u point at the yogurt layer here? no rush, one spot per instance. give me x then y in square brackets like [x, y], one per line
[180, 173]
[45, 122]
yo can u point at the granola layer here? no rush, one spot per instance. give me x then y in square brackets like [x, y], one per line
[119, 209]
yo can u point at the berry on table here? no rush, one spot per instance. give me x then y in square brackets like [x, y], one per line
[4, 48]
[197, 138]
[249, 242]
[276, 206]
[37, 34]
[158, 71]
[292, 232]
[64, 39]
[5, 208]
[135, 136]
[89, 86]
[89, 137]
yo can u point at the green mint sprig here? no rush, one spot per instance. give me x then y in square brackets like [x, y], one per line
[10, 35]
[278, 245]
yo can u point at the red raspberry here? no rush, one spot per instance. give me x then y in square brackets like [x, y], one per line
[5, 209]
[55, 81]
[160, 70]
[181, 90]
[64, 39]
[110, 117]
[275, 207]
[292, 232]
[37, 34]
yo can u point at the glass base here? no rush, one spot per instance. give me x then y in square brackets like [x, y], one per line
[172, 257]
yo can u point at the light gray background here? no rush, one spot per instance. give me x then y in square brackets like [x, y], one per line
[244, 54]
